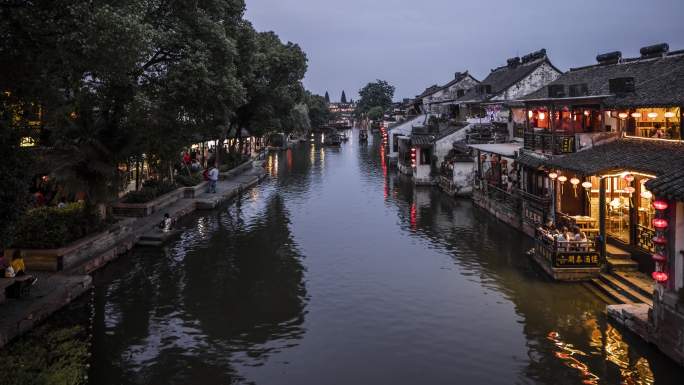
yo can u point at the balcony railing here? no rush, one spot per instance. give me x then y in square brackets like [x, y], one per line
[550, 143]
[563, 254]
[535, 207]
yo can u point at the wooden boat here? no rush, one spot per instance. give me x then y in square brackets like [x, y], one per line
[332, 140]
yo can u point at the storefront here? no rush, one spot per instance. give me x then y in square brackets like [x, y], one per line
[604, 192]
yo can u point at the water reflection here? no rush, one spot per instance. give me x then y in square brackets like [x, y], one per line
[191, 312]
[337, 270]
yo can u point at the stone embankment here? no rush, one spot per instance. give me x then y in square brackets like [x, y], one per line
[56, 289]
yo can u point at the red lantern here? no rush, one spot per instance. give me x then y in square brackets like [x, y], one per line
[659, 258]
[660, 240]
[660, 205]
[660, 223]
[660, 277]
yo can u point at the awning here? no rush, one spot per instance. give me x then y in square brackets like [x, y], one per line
[504, 149]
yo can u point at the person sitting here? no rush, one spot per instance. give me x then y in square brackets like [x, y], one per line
[166, 224]
[17, 269]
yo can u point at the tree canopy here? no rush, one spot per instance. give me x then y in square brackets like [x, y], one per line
[343, 99]
[375, 94]
[114, 81]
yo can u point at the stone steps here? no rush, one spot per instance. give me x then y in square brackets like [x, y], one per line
[622, 265]
[639, 282]
[616, 252]
[612, 294]
[625, 289]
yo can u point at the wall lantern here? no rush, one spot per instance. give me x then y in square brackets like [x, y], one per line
[636, 115]
[660, 223]
[660, 205]
[586, 112]
[542, 116]
[652, 115]
[660, 277]
[623, 115]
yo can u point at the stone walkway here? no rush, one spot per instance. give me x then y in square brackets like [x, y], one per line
[55, 290]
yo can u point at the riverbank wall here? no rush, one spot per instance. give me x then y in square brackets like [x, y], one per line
[55, 290]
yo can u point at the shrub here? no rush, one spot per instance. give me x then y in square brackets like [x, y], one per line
[52, 227]
[150, 190]
[189, 181]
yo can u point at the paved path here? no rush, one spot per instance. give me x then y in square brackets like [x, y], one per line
[55, 290]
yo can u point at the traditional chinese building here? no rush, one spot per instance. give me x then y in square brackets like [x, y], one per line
[441, 100]
[595, 138]
[493, 100]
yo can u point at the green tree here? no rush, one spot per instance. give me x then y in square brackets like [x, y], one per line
[376, 94]
[327, 97]
[273, 83]
[375, 113]
[15, 176]
[344, 97]
[319, 114]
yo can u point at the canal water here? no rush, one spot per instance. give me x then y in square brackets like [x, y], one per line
[337, 271]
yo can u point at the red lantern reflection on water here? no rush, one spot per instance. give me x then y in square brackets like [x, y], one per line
[414, 216]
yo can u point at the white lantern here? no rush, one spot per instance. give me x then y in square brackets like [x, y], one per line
[553, 176]
[562, 178]
[652, 115]
[669, 114]
[623, 115]
[636, 115]
[587, 185]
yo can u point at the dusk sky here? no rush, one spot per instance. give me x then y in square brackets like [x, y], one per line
[414, 44]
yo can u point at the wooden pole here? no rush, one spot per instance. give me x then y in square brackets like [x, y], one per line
[602, 219]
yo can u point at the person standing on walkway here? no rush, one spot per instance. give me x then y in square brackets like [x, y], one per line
[213, 179]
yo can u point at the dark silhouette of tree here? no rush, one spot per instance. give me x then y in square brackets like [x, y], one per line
[327, 97]
[344, 97]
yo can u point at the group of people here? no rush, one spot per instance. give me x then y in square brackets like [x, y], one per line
[566, 236]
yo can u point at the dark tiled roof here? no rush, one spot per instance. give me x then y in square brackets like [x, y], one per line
[422, 140]
[658, 157]
[429, 91]
[502, 78]
[448, 131]
[658, 82]
[459, 76]
[670, 186]
[529, 160]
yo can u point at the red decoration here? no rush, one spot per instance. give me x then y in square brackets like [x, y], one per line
[660, 205]
[660, 223]
[659, 258]
[660, 277]
[660, 240]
